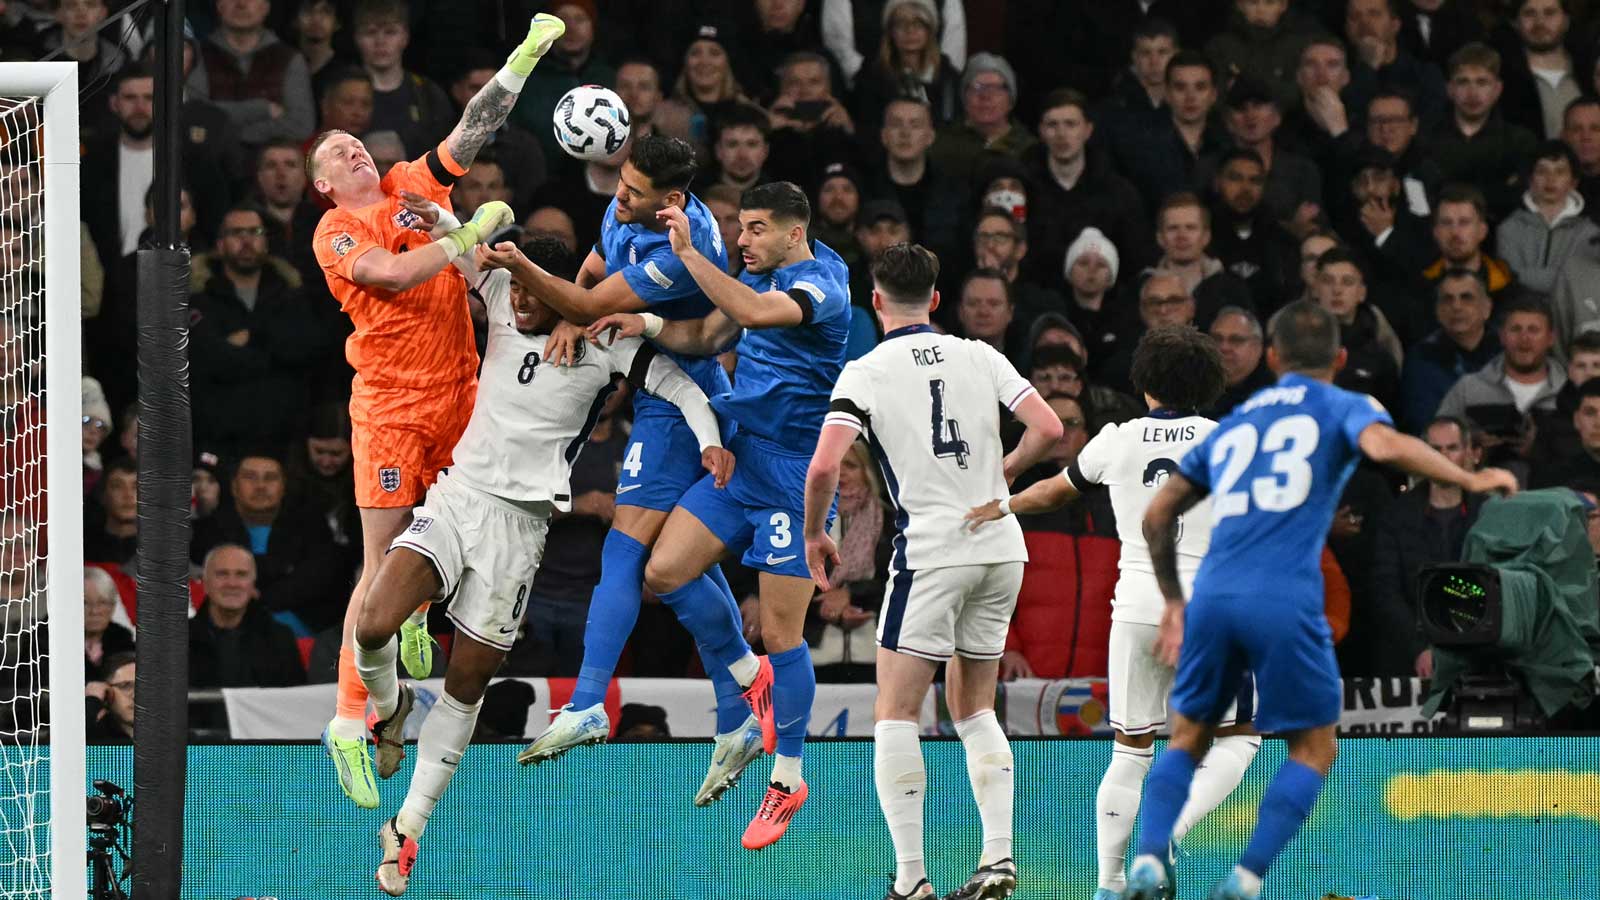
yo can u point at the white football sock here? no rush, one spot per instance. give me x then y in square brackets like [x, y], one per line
[989, 765]
[446, 732]
[378, 674]
[786, 771]
[1115, 806]
[1249, 881]
[347, 729]
[902, 780]
[745, 669]
[1215, 778]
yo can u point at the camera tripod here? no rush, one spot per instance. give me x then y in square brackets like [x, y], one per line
[105, 885]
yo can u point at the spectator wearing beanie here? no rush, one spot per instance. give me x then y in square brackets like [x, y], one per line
[988, 97]
[853, 30]
[909, 65]
[836, 207]
[706, 86]
[1096, 308]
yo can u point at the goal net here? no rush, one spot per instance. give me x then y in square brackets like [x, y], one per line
[42, 779]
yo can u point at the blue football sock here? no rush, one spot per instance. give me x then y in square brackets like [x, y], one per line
[1284, 807]
[700, 606]
[731, 708]
[613, 610]
[1166, 789]
[794, 687]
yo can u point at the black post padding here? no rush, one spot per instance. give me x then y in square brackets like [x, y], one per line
[166, 461]
[166, 457]
[168, 120]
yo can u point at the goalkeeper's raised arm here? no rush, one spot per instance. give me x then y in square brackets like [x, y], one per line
[487, 110]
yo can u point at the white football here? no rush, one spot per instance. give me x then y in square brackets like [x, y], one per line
[591, 123]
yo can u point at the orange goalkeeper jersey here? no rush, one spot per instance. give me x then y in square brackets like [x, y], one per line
[419, 337]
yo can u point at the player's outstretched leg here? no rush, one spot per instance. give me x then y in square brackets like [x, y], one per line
[405, 579]
[1216, 777]
[613, 611]
[445, 735]
[1166, 790]
[739, 739]
[1284, 807]
[784, 600]
[1116, 806]
[345, 738]
[971, 685]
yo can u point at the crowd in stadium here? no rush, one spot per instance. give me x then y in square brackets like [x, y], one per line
[1427, 170]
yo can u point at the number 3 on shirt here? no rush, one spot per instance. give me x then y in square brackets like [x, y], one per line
[1290, 441]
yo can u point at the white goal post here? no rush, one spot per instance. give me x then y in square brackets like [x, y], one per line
[43, 821]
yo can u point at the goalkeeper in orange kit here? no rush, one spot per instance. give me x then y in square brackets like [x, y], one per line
[412, 349]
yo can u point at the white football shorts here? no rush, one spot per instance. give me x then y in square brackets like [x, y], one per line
[937, 613]
[485, 550]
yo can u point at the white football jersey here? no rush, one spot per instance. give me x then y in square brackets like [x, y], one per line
[531, 418]
[1133, 460]
[929, 406]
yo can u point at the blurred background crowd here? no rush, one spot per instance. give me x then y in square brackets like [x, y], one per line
[1428, 170]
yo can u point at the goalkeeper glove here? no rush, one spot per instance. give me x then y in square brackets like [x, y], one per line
[543, 31]
[490, 218]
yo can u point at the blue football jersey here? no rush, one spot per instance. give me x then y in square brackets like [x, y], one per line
[1275, 470]
[785, 376]
[645, 259]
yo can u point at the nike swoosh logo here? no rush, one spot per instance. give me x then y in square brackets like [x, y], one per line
[451, 762]
[783, 725]
[623, 489]
[508, 630]
[779, 560]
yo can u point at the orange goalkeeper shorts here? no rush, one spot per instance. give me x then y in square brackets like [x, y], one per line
[402, 438]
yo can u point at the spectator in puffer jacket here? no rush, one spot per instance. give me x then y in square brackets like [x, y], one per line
[1550, 229]
[1062, 623]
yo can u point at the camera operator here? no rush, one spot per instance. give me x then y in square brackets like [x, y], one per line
[109, 705]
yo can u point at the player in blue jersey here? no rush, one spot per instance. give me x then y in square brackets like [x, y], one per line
[789, 312]
[633, 268]
[1274, 470]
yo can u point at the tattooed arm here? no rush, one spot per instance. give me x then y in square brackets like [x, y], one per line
[484, 115]
[1176, 497]
[487, 111]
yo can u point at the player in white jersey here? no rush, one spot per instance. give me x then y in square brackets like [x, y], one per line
[477, 539]
[1178, 370]
[928, 406]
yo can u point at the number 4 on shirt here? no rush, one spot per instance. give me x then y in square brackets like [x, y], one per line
[954, 446]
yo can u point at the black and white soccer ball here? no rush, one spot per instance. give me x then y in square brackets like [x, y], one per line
[591, 123]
